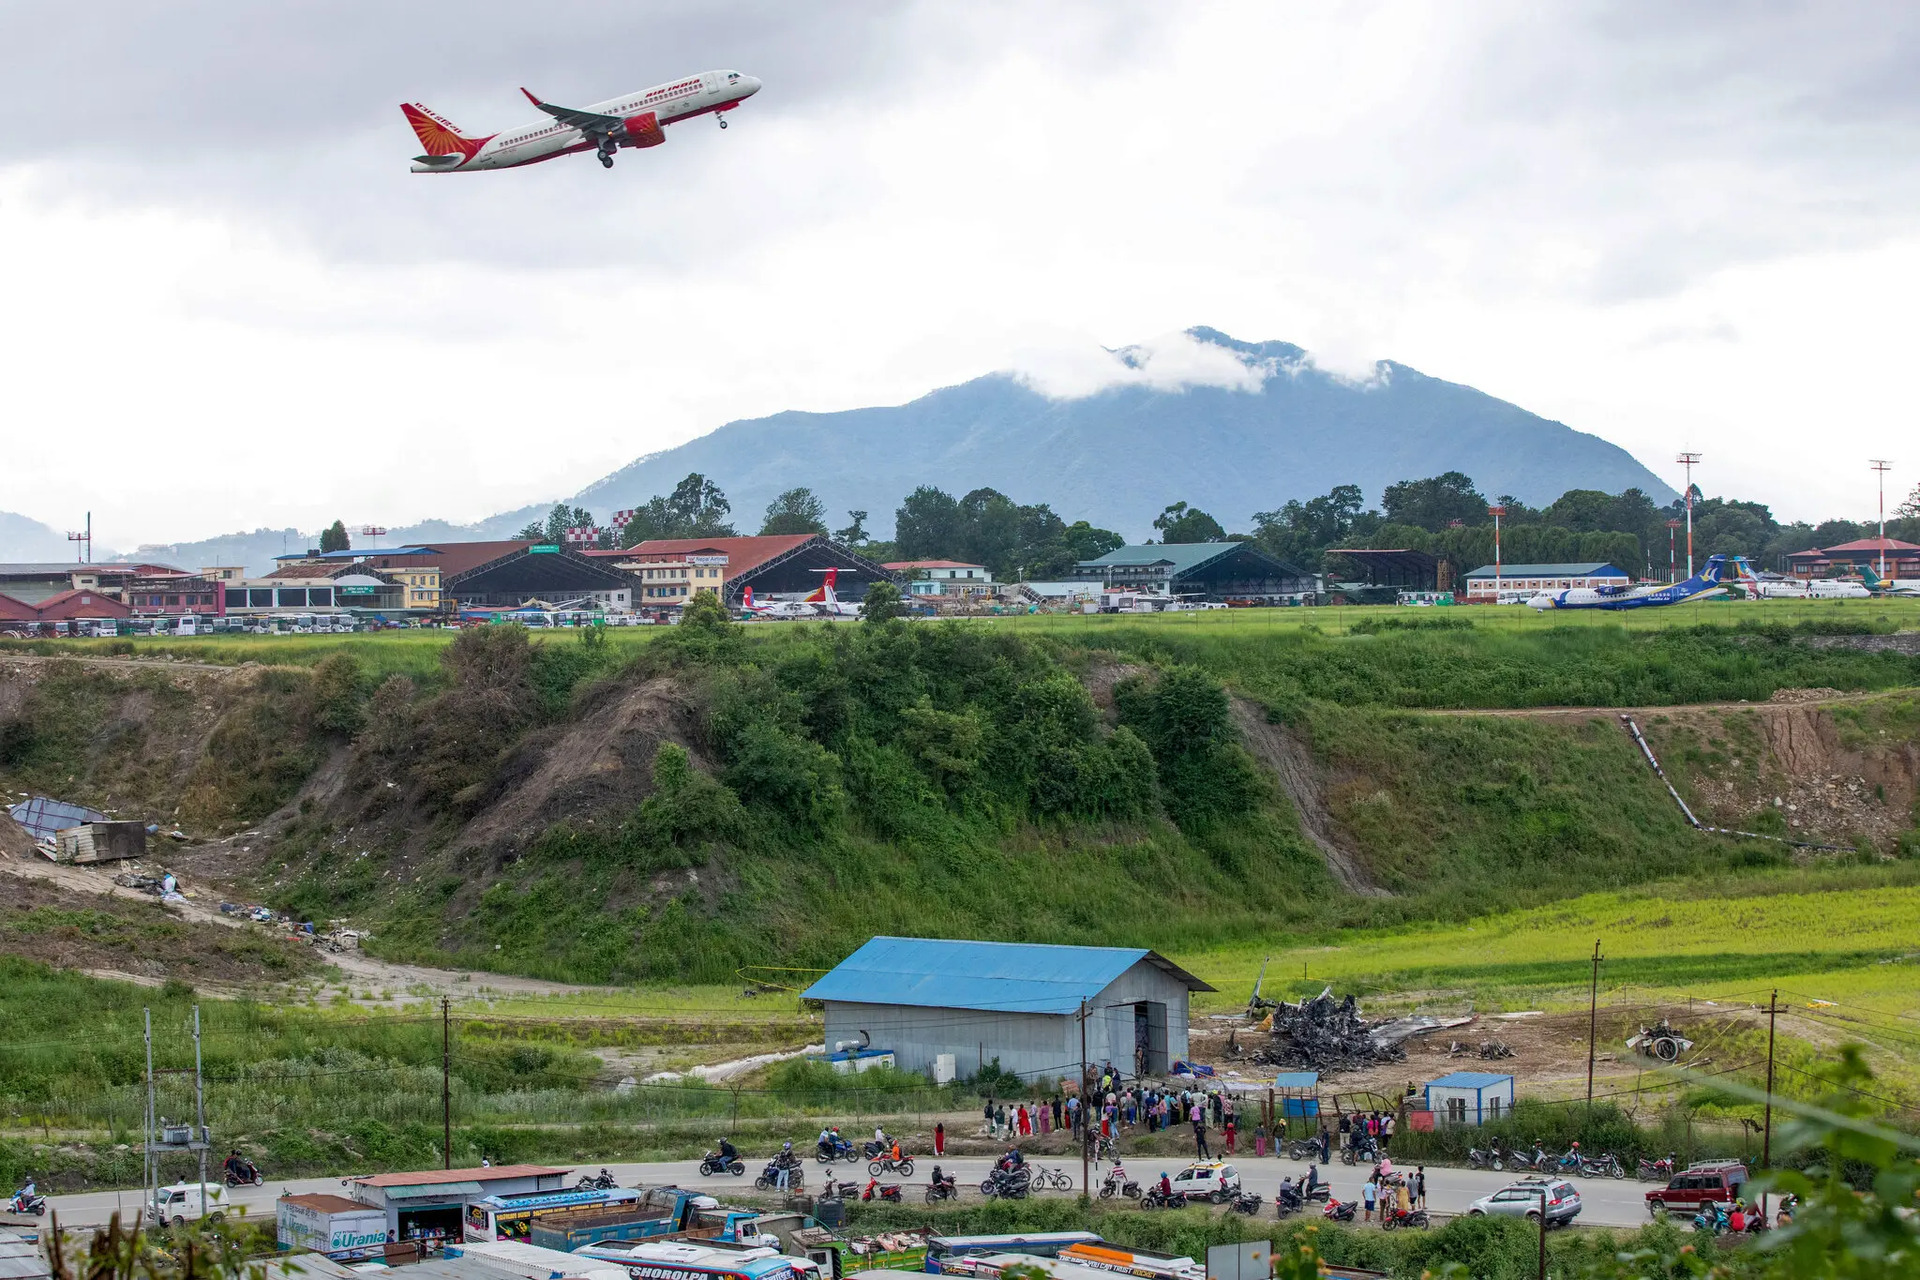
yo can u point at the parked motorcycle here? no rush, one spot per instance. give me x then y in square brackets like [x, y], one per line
[890, 1193]
[1002, 1184]
[1478, 1159]
[602, 1181]
[1411, 1218]
[1606, 1166]
[887, 1164]
[836, 1149]
[1155, 1198]
[948, 1188]
[1367, 1152]
[1569, 1160]
[1118, 1183]
[27, 1202]
[1654, 1170]
[1339, 1210]
[713, 1162]
[1246, 1202]
[1303, 1149]
[1712, 1219]
[842, 1190]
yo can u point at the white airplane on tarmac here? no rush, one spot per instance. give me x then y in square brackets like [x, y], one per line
[632, 120]
[820, 603]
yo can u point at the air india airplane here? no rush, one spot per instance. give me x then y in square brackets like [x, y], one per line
[632, 120]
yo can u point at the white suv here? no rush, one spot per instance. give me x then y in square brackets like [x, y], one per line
[1522, 1199]
[1211, 1180]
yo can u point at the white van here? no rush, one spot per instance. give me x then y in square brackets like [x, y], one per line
[180, 1203]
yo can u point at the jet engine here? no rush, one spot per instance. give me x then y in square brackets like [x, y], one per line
[643, 130]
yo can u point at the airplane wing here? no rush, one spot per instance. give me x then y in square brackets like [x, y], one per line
[585, 121]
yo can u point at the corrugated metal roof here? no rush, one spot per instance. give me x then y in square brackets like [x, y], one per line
[1468, 1080]
[1003, 977]
[486, 1173]
[42, 817]
[743, 554]
[1183, 556]
[1550, 570]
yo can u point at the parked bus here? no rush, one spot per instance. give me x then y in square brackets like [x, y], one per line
[1039, 1244]
[645, 1261]
[511, 1217]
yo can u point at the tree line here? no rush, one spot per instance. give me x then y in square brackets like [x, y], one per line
[1445, 515]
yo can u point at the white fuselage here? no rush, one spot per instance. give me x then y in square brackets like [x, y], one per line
[1837, 589]
[705, 93]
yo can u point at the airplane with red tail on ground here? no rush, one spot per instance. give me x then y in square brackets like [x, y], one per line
[631, 120]
[821, 602]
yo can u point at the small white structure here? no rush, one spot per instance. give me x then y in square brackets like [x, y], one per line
[329, 1224]
[1469, 1097]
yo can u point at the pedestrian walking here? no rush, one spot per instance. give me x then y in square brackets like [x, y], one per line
[939, 1139]
[1226, 1131]
[1260, 1138]
[1368, 1194]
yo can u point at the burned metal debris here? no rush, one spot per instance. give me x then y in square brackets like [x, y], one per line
[1323, 1034]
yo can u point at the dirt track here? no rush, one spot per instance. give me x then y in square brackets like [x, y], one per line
[125, 664]
[1791, 698]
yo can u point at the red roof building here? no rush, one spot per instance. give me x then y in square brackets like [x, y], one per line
[776, 565]
[1902, 558]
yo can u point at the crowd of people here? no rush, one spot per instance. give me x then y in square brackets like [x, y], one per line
[1114, 1107]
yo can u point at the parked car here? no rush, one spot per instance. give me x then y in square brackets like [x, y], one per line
[1207, 1180]
[1522, 1199]
[1714, 1182]
[181, 1203]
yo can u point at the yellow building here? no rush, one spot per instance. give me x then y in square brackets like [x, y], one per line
[666, 581]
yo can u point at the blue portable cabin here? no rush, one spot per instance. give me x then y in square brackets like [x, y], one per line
[1469, 1097]
[1299, 1093]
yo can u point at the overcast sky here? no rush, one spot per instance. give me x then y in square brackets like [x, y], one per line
[229, 304]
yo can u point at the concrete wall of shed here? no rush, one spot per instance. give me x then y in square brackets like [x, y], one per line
[1037, 1046]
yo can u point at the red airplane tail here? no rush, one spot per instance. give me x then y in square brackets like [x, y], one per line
[825, 594]
[437, 134]
[746, 600]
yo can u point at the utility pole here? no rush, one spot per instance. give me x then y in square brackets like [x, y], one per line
[1766, 1141]
[1688, 460]
[1593, 1019]
[1882, 466]
[1671, 526]
[200, 1109]
[1543, 1233]
[150, 1166]
[1086, 1117]
[1496, 512]
[446, 1082]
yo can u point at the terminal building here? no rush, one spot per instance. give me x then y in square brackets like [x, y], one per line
[776, 566]
[949, 1008]
[1483, 583]
[1902, 559]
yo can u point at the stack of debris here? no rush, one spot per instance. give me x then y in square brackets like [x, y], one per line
[1324, 1034]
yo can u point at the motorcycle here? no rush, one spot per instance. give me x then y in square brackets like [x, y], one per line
[1569, 1160]
[842, 1190]
[836, 1149]
[1411, 1218]
[1155, 1198]
[948, 1188]
[28, 1202]
[1607, 1166]
[770, 1177]
[1478, 1159]
[1712, 1219]
[1303, 1149]
[1246, 1202]
[1339, 1210]
[1286, 1203]
[602, 1181]
[1117, 1182]
[713, 1162]
[1002, 1185]
[245, 1174]
[876, 1147]
[1368, 1152]
[1654, 1170]
[890, 1193]
[887, 1164]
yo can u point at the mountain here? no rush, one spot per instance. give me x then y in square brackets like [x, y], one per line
[1118, 456]
[24, 539]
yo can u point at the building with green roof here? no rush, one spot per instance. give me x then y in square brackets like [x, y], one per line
[1216, 571]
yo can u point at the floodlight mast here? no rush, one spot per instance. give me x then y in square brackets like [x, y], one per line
[1882, 466]
[1496, 512]
[1688, 460]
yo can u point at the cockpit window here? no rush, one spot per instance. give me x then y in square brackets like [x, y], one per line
[733, 77]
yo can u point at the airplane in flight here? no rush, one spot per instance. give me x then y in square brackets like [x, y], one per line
[1705, 583]
[631, 120]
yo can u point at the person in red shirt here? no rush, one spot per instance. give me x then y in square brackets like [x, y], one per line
[940, 1139]
[1737, 1220]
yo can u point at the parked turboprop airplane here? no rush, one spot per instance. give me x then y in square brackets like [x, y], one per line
[1699, 586]
[1889, 586]
[1837, 589]
[631, 120]
[821, 602]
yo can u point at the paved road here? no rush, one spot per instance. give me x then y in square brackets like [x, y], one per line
[1607, 1202]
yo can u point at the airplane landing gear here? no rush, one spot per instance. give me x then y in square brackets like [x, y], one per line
[722, 120]
[606, 161]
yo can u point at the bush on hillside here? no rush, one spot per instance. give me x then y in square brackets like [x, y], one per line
[687, 807]
[1186, 720]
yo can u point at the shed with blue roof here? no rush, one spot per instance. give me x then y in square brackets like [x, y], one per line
[945, 1006]
[1469, 1097]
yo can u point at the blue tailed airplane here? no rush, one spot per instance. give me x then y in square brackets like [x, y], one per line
[1705, 583]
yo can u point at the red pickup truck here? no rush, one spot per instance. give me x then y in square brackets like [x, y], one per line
[1719, 1181]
